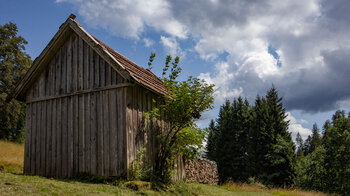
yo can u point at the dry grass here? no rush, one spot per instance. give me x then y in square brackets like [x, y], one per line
[273, 191]
[11, 157]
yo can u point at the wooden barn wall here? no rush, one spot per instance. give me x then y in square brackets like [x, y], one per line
[68, 131]
[141, 132]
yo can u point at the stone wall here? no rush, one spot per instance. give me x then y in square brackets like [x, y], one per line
[201, 170]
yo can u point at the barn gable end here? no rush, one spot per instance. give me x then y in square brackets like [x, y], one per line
[85, 108]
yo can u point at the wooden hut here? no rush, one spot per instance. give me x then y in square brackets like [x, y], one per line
[85, 108]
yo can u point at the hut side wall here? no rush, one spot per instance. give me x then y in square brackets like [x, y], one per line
[140, 132]
[75, 122]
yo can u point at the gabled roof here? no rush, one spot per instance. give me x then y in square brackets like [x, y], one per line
[125, 67]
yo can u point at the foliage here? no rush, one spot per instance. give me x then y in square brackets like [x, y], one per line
[300, 145]
[327, 168]
[313, 141]
[212, 138]
[180, 108]
[232, 156]
[140, 168]
[254, 141]
[337, 154]
[280, 159]
[311, 171]
[14, 63]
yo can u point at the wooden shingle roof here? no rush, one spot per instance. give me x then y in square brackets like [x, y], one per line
[142, 76]
[125, 67]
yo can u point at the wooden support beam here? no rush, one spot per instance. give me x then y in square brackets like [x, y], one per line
[81, 92]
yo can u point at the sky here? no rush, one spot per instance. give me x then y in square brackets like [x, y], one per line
[243, 47]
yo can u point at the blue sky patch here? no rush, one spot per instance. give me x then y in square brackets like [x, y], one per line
[275, 55]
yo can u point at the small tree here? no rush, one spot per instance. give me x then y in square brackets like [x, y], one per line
[180, 108]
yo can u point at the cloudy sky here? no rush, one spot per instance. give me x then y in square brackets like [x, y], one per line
[243, 47]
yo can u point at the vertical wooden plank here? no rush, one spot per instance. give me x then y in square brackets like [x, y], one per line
[135, 144]
[113, 76]
[33, 138]
[96, 74]
[93, 129]
[57, 73]
[129, 126]
[80, 53]
[75, 129]
[113, 128]
[87, 133]
[86, 63]
[64, 128]
[59, 138]
[92, 72]
[140, 127]
[48, 137]
[106, 132]
[121, 130]
[42, 132]
[63, 76]
[54, 139]
[28, 132]
[102, 73]
[37, 139]
[99, 130]
[70, 135]
[108, 73]
[81, 141]
[75, 63]
[69, 67]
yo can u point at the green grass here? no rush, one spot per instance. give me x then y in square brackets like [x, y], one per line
[17, 184]
[13, 182]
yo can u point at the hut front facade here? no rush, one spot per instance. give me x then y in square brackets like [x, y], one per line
[85, 108]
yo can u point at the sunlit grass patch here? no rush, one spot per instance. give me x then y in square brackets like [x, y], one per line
[11, 157]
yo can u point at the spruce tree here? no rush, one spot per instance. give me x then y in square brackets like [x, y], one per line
[224, 140]
[212, 141]
[280, 158]
[300, 144]
[259, 138]
[316, 139]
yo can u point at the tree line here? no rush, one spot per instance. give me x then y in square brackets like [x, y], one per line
[253, 142]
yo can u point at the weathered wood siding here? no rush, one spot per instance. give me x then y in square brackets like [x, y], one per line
[76, 116]
[141, 132]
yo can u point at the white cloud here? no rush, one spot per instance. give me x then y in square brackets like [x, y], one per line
[295, 127]
[171, 46]
[148, 42]
[222, 79]
[129, 18]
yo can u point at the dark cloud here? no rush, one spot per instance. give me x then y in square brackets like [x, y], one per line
[323, 87]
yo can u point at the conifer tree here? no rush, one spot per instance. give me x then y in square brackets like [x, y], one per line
[316, 139]
[280, 160]
[300, 144]
[225, 139]
[212, 141]
[259, 137]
